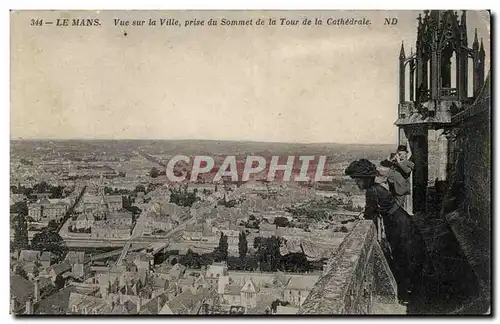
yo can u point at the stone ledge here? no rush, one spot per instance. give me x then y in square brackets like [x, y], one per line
[358, 277]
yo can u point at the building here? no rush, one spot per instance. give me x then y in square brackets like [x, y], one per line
[112, 203]
[22, 294]
[45, 210]
[77, 261]
[256, 291]
[444, 117]
[88, 305]
[430, 104]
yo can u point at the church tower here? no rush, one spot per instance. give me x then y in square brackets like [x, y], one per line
[433, 87]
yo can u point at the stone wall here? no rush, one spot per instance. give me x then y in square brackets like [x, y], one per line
[357, 280]
[437, 156]
[468, 205]
[470, 219]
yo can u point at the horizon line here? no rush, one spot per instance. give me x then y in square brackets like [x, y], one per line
[188, 139]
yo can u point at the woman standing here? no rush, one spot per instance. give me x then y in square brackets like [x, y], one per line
[407, 246]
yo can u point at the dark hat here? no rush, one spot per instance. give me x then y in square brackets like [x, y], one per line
[375, 173]
[361, 168]
[402, 148]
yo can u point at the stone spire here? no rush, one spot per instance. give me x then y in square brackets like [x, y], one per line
[475, 44]
[481, 50]
[402, 51]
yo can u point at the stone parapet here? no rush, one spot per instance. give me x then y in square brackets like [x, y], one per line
[357, 279]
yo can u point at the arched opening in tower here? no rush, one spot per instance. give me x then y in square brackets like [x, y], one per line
[470, 77]
[448, 68]
[427, 73]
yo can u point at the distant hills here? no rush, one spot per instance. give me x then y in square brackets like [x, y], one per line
[209, 147]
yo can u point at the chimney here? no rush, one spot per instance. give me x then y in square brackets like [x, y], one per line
[29, 307]
[139, 304]
[326, 268]
[13, 304]
[36, 290]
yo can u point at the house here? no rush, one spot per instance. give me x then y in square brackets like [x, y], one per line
[56, 304]
[46, 259]
[177, 271]
[358, 201]
[189, 302]
[156, 222]
[216, 269]
[267, 230]
[22, 294]
[142, 260]
[118, 218]
[31, 269]
[88, 305]
[232, 236]
[29, 255]
[298, 288]
[56, 270]
[232, 295]
[15, 198]
[84, 221]
[116, 224]
[96, 202]
[286, 310]
[154, 306]
[77, 262]
[44, 210]
[140, 198]
[193, 232]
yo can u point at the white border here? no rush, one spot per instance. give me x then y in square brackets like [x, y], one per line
[187, 4]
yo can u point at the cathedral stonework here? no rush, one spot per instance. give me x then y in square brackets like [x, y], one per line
[434, 87]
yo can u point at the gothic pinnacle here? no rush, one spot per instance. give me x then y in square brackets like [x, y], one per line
[475, 44]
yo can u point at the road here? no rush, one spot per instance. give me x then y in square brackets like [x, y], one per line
[63, 228]
[139, 228]
[151, 158]
[136, 232]
[137, 238]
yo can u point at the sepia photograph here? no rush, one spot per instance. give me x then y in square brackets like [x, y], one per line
[250, 162]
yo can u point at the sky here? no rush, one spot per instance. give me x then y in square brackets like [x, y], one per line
[260, 83]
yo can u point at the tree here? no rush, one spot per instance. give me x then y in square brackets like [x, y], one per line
[190, 260]
[140, 188]
[50, 241]
[295, 262]
[274, 252]
[41, 187]
[281, 221]
[344, 229]
[20, 208]
[21, 240]
[220, 251]
[154, 173]
[182, 197]
[268, 253]
[56, 192]
[276, 303]
[243, 245]
[135, 210]
[20, 272]
[36, 271]
[53, 225]
[257, 242]
[59, 282]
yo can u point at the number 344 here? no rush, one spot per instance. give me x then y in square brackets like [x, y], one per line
[36, 22]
